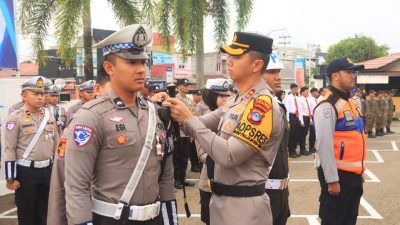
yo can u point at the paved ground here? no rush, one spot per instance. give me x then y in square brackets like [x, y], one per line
[380, 203]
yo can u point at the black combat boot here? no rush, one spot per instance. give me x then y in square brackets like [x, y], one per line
[370, 135]
[389, 131]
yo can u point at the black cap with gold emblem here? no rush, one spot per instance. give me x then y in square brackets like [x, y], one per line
[244, 42]
[35, 84]
[129, 43]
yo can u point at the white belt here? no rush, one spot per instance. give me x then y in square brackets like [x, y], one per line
[277, 184]
[34, 164]
[138, 213]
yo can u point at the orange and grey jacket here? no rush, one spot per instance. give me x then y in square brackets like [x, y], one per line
[340, 135]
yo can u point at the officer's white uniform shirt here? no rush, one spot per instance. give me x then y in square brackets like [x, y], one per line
[312, 102]
[320, 98]
[303, 108]
[290, 104]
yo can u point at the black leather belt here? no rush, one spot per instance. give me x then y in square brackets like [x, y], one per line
[237, 190]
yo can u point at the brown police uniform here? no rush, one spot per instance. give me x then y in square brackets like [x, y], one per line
[34, 172]
[57, 205]
[385, 103]
[390, 114]
[370, 114]
[250, 129]
[105, 140]
[15, 107]
[71, 112]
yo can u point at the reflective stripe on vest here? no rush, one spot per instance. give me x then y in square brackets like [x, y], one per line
[348, 139]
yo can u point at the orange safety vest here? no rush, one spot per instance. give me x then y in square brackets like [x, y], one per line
[349, 137]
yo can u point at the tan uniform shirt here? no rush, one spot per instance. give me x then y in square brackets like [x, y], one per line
[391, 108]
[200, 110]
[15, 107]
[71, 112]
[250, 130]
[21, 127]
[105, 140]
[56, 214]
[189, 103]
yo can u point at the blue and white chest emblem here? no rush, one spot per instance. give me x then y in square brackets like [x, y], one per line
[82, 134]
[255, 116]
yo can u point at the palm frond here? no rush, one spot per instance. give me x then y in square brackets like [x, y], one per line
[148, 12]
[220, 16]
[34, 17]
[164, 7]
[67, 24]
[180, 21]
[126, 11]
[243, 10]
[196, 23]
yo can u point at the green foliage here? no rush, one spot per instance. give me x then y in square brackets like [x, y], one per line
[243, 9]
[164, 8]
[35, 16]
[358, 48]
[34, 19]
[220, 15]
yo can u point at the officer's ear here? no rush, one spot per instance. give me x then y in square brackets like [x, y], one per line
[108, 67]
[258, 64]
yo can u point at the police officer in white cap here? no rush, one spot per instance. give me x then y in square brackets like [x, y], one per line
[86, 93]
[277, 184]
[31, 138]
[118, 158]
[57, 110]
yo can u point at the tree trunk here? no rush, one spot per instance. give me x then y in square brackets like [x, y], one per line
[87, 40]
[200, 58]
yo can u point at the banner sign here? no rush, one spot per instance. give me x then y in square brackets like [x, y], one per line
[8, 37]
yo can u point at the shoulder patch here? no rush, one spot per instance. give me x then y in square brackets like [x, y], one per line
[255, 126]
[10, 125]
[82, 134]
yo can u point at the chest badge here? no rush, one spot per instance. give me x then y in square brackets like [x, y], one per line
[117, 119]
[121, 139]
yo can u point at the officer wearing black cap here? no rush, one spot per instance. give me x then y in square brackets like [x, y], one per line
[182, 148]
[118, 161]
[340, 146]
[249, 130]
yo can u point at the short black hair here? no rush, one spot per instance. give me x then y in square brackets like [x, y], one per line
[303, 89]
[258, 55]
[293, 86]
[102, 79]
[313, 90]
[321, 90]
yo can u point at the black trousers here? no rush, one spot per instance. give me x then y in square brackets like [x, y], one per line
[103, 220]
[304, 132]
[194, 159]
[279, 200]
[180, 158]
[205, 198]
[342, 209]
[294, 132]
[311, 137]
[33, 195]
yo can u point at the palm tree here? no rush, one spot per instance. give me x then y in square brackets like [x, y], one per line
[187, 24]
[71, 19]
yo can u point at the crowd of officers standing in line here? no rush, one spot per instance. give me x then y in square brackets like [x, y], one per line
[238, 139]
[378, 109]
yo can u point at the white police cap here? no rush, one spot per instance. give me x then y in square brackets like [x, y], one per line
[35, 84]
[274, 62]
[87, 86]
[218, 85]
[53, 90]
[128, 43]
